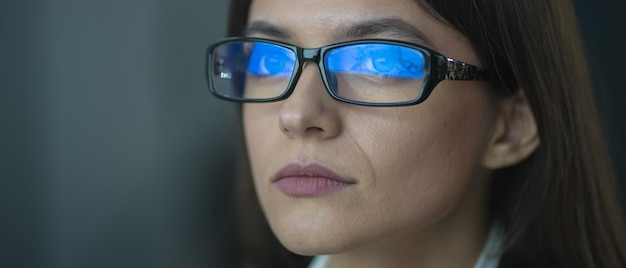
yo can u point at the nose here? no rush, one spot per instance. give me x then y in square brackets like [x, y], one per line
[310, 112]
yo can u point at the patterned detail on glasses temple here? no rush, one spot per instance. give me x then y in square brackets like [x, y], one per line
[458, 70]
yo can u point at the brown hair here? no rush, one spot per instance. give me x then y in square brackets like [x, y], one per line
[559, 205]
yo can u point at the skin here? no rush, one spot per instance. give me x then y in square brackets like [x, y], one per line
[421, 171]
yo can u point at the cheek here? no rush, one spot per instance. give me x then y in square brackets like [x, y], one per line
[259, 133]
[259, 137]
[426, 157]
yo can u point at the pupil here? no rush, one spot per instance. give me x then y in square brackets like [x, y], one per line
[385, 60]
[275, 63]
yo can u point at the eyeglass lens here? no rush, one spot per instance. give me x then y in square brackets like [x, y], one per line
[363, 72]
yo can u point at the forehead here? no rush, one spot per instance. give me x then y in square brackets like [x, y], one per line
[315, 23]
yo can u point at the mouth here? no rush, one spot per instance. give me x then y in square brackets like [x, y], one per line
[309, 181]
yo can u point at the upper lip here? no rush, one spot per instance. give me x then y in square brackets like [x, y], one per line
[310, 170]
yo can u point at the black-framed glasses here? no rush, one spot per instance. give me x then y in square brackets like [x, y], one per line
[370, 72]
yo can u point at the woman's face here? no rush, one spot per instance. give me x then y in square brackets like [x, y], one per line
[333, 176]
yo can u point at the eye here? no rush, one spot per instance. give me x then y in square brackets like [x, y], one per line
[271, 60]
[381, 60]
[273, 63]
[393, 61]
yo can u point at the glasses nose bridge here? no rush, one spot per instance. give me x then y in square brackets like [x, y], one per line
[310, 54]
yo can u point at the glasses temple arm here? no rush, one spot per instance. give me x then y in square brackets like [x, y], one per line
[458, 70]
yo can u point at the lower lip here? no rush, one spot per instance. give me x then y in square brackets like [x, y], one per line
[309, 186]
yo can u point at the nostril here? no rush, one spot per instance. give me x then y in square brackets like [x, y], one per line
[285, 130]
[315, 130]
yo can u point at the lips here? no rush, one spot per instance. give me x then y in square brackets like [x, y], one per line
[309, 181]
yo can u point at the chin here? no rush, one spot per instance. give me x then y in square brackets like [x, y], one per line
[309, 240]
[308, 246]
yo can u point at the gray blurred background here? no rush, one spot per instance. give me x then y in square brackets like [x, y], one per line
[113, 153]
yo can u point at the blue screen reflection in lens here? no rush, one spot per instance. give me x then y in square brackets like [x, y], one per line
[385, 60]
[271, 60]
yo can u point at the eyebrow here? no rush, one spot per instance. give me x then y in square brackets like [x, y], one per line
[265, 28]
[382, 27]
[385, 27]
